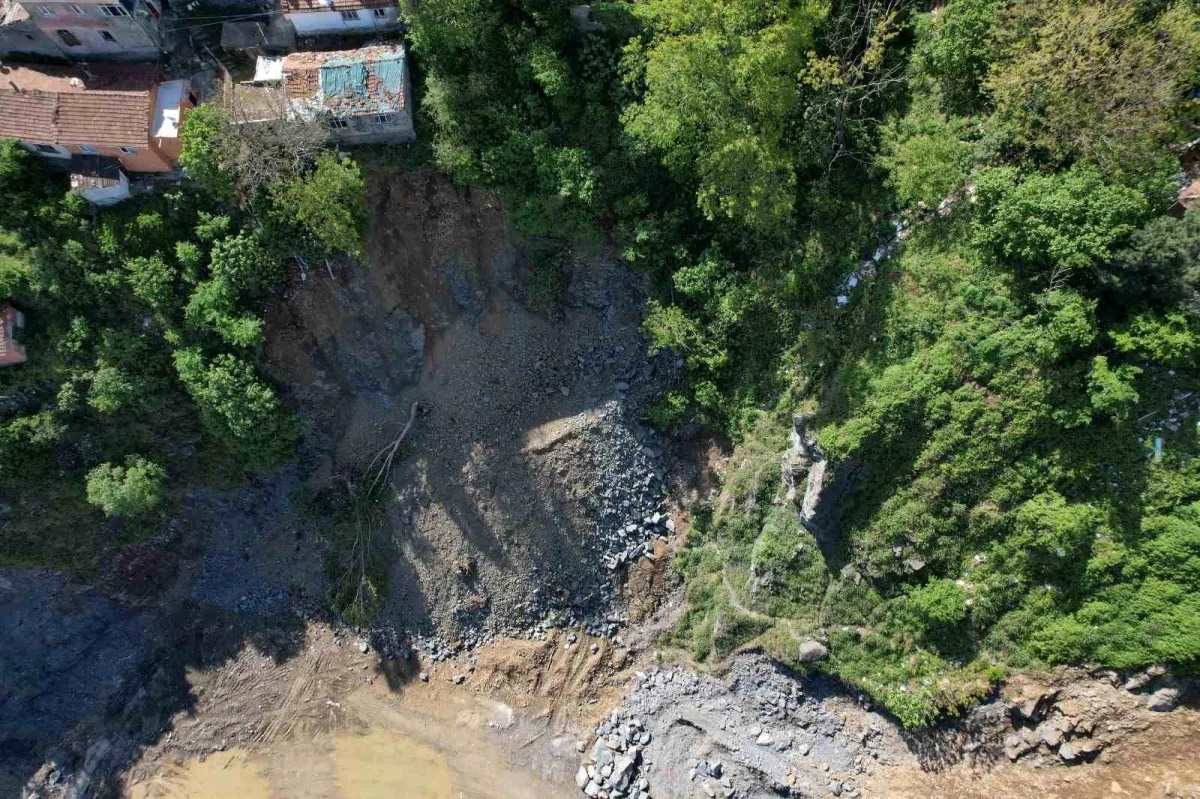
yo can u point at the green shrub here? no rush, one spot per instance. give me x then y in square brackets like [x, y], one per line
[126, 490]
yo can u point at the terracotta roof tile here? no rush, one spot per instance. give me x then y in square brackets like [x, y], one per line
[28, 116]
[100, 106]
[104, 119]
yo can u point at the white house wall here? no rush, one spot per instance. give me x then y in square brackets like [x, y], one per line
[86, 22]
[317, 23]
[366, 130]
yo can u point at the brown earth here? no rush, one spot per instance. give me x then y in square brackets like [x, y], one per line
[298, 727]
[1159, 762]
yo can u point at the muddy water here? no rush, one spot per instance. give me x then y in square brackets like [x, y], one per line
[376, 765]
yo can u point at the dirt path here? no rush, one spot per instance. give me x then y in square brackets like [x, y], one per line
[736, 603]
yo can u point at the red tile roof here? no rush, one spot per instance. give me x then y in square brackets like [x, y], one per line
[11, 350]
[105, 106]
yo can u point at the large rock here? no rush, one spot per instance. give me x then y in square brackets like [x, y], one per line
[1163, 700]
[1051, 731]
[1035, 702]
[1079, 749]
[813, 651]
[602, 755]
[622, 772]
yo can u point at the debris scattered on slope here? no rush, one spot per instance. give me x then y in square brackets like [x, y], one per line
[759, 731]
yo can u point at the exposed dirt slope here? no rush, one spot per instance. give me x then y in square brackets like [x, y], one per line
[527, 423]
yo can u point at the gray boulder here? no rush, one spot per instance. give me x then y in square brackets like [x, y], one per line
[813, 651]
[1163, 700]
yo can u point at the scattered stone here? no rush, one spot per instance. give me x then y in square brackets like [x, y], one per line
[622, 772]
[765, 739]
[601, 755]
[364, 647]
[582, 778]
[813, 651]
[424, 676]
[459, 679]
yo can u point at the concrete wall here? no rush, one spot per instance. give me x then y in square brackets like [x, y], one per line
[317, 23]
[153, 158]
[133, 37]
[366, 130]
[23, 38]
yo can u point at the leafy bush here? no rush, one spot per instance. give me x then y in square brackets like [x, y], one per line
[126, 490]
[787, 572]
[1073, 220]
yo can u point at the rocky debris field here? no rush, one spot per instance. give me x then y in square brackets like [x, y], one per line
[763, 731]
[527, 483]
[757, 731]
[1075, 722]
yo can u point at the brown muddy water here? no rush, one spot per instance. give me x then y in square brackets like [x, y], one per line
[455, 747]
[374, 765]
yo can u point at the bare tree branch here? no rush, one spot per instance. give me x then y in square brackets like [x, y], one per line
[263, 142]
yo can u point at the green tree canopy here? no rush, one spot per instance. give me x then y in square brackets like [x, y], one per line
[720, 93]
[1089, 79]
[328, 203]
[1072, 220]
[238, 407]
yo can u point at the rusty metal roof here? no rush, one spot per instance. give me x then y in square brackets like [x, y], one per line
[363, 81]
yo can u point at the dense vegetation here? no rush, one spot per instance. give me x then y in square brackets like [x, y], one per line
[1005, 392]
[989, 400]
[143, 337]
